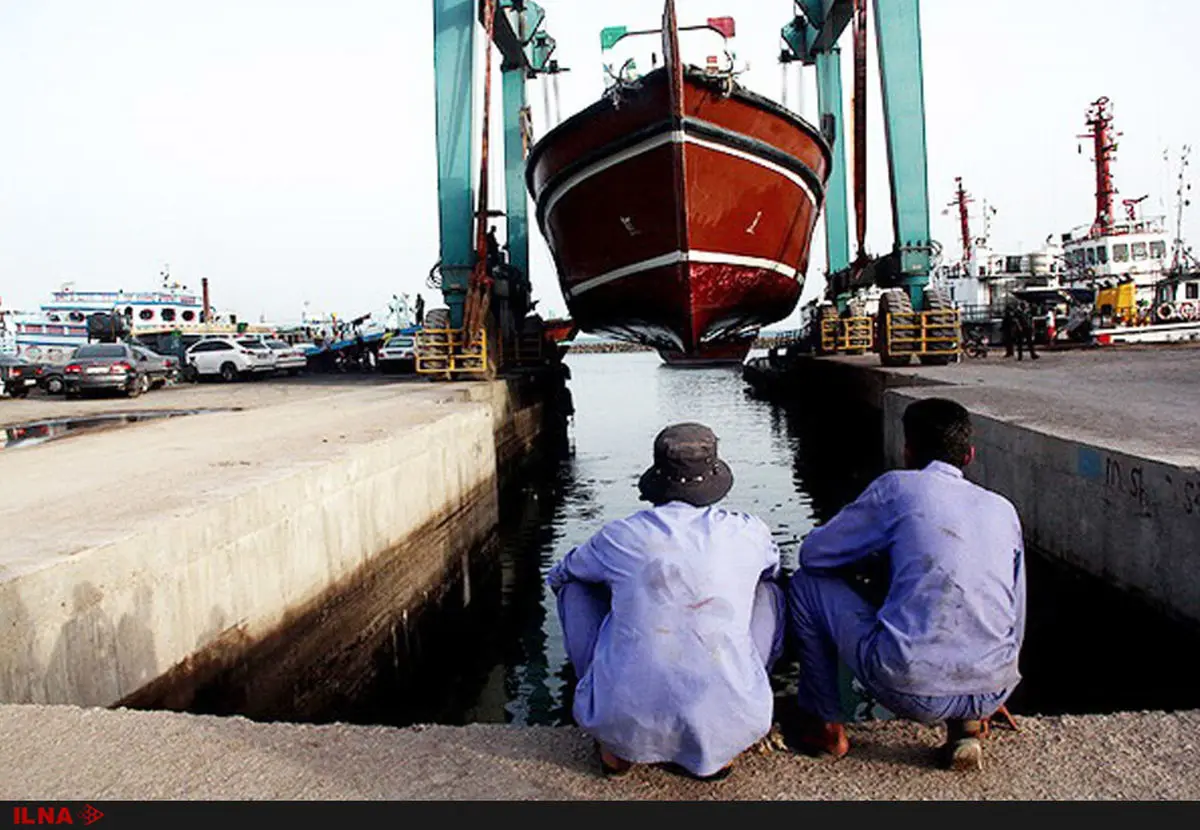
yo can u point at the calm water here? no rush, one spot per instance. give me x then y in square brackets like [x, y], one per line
[1088, 648]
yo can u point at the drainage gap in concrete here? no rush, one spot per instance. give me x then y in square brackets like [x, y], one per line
[40, 432]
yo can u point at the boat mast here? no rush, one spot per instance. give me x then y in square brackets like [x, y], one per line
[961, 201]
[1104, 147]
[1180, 253]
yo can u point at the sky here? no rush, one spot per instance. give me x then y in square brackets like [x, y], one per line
[285, 148]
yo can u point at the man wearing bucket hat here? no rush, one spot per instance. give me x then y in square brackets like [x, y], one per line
[672, 619]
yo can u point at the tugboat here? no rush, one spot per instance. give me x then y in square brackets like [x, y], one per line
[680, 207]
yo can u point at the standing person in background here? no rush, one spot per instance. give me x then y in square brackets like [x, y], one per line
[419, 314]
[1025, 330]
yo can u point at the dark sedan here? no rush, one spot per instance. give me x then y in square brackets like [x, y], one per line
[113, 367]
[17, 376]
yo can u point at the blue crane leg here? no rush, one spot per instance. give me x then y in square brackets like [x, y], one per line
[516, 196]
[453, 59]
[898, 38]
[837, 205]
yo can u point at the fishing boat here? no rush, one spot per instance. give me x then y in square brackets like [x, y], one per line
[680, 207]
[727, 352]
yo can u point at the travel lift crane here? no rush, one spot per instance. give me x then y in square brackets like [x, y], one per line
[526, 50]
[913, 319]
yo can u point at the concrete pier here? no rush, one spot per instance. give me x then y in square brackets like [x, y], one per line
[1097, 450]
[217, 554]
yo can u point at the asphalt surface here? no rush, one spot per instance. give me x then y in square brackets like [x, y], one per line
[1142, 400]
[65, 753]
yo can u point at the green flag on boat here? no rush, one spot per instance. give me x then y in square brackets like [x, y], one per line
[610, 36]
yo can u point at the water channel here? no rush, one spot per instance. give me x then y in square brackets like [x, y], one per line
[1089, 649]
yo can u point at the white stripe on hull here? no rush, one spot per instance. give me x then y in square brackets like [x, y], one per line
[678, 258]
[674, 137]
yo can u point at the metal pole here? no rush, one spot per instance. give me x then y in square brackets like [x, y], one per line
[454, 59]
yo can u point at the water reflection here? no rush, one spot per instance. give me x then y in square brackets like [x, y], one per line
[621, 402]
[792, 468]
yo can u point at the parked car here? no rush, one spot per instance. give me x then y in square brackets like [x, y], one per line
[113, 367]
[230, 358]
[398, 354]
[288, 358]
[50, 378]
[161, 368]
[17, 376]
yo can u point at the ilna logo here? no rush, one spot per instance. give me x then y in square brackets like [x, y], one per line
[55, 815]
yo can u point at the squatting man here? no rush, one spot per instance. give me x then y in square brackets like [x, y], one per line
[673, 617]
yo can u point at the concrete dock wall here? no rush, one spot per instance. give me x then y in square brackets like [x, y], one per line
[286, 565]
[1131, 520]
[1096, 452]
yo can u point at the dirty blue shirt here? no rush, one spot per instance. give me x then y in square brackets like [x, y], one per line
[954, 617]
[675, 676]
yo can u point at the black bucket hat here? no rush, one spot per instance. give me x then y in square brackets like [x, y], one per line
[686, 468]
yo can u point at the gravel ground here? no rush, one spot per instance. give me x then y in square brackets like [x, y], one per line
[65, 753]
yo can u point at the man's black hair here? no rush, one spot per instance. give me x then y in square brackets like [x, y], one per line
[936, 429]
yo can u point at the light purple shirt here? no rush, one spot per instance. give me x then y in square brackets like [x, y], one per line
[675, 676]
[954, 618]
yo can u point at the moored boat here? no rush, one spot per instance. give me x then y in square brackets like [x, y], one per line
[680, 207]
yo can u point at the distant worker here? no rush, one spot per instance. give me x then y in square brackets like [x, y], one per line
[419, 314]
[1051, 326]
[494, 256]
[1025, 331]
[1008, 328]
[944, 642]
[671, 619]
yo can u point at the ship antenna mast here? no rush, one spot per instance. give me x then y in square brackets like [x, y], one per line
[1104, 145]
[961, 201]
[1181, 201]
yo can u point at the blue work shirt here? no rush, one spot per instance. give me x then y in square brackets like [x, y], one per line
[954, 617]
[675, 675]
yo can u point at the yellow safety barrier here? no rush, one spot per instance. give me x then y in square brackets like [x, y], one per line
[847, 334]
[925, 335]
[445, 352]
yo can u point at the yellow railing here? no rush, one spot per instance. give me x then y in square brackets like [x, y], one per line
[926, 334]
[445, 352]
[847, 334]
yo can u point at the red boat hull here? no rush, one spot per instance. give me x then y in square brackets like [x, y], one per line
[716, 353]
[680, 218]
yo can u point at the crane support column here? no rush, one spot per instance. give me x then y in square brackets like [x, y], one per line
[837, 206]
[898, 39]
[516, 196]
[454, 60]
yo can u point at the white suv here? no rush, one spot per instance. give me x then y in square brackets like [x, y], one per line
[230, 358]
[398, 354]
[288, 358]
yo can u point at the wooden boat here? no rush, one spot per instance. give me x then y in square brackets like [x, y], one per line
[726, 352]
[680, 208]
